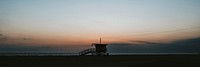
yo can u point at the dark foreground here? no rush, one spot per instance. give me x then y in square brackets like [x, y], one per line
[102, 61]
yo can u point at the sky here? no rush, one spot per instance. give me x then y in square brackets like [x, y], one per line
[82, 22]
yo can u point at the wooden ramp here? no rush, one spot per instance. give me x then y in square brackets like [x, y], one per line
[87, 51]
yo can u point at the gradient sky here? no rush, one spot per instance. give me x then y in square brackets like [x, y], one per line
[82, 22]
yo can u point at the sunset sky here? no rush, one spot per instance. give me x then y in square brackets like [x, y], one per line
[82, 22]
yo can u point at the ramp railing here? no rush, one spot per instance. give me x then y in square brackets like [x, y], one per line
[87, 51]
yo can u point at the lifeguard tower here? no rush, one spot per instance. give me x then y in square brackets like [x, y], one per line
[100, 49]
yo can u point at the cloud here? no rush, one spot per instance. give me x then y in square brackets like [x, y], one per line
[11, 39]
[11, 48]
[2, 37]
[27, 38]
[144, 42]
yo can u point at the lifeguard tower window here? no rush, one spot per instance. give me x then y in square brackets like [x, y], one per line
[101, 47]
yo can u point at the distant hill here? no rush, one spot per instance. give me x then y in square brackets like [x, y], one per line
[182, 46]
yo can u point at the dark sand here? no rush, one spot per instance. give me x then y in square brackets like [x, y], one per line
[102, 61]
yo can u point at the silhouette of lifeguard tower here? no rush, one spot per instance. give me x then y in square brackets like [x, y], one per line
[100, 49]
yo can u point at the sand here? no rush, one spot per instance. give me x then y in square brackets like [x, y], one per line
[102, 61]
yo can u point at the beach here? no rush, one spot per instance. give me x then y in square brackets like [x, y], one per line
[102, 61]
